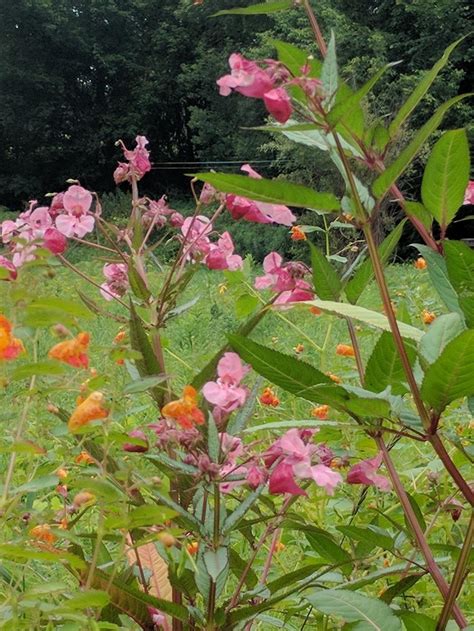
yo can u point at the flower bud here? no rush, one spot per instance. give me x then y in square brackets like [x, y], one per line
[167, 539]
[139, 444]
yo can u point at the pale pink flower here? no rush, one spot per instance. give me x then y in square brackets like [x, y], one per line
[138, 162]
[195, 231]
[246, 77]
[469, 194]
[256, 476]
[365, 472]
[208, 194]
[121, 173]
[116, 284]
[8, 230]
[221, 255]
[286, 279]
[226, 393]
[77, 221]
[278, 104]
[8, 271]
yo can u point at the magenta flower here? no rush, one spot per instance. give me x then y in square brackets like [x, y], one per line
[246, 78]
[7, 270]
[139, 444]
[221, 255]
[195, 231]
[226, 393]
[208, 194]
[54, 241]
[77, 221]
[469, 194]
[138, 162]
[116, 284]
[365, 472]
[278, 104]
[285, 279]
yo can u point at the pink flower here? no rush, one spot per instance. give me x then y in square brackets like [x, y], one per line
[258, 212]
[469, 194]
[208, 194]
[158, 619]
[38, 219]
[121, 173]
[231, 447]
[76, 221]
[8, 229]
[246, 77]
[116, 284]
[286, 279]
[140, 443]
[57, 205]
[278, 104]
[226, 393]
[195, 231]
[7, 270]
[138, 162]
[256, 476]
[365, 472]
[221, 255]
[54, 241]
[282, 480]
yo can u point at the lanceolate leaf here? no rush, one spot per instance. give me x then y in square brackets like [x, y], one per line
[383, 183]
[271, 191]
[420, 90]
[439, 277]
[327, 284]
[365, 272]
[460, 266]
[446, 176]
[417, 621]
[295, 58]
[355, 607]
[400, 587]
[258, 9]
[444, 329]
[385, 368]
[372, 318]
[451, 376]
[329, 75]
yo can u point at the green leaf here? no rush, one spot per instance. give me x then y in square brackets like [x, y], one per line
[418, 514]
[323, 543]
[372, 318]
[460, 267]
[245, 304]
[239, 419]
[238, 565]
[327, 283]
[149, 515]
[445, 328]
[38, 484]
[70, 307]
[258, 9]
[295, 58]
[233, 519]
[400, 587]
[142, 385]
[355, 607]
[451, 376]
[89, 598]
[368, 534]
[271, 191]
[383, 183]
[365, 272]
[15, 552]
[329, 73]
[417, 621]
[385, 368]
[41, 369]
[421, 89]
[446, 176]
[213, 442]
[438, 273]
[137, 282]
[417, 210]
[216, 561]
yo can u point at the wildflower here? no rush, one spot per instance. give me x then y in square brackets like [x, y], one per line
[167, 539]
[195, 231]
[420, 263]
[83, 498]
[258, 212]
[278, 104]
[286, 279]
[227, 393]
[120, 337]
[91, 409]
[192, 547]
[255, 476]
[138, 161]
[320, 412]
[315, 311]
[139, 442]
[62, 473]
[116, 285]
[246, 78]
[299, 348]
[10, 346]
[279, 547]
[345, 350]
[469, 194]
[365, 472]
[268, 397]
[221, 255]
[72, 352]
[185, 411]
[8, 271]
[297, 234]
[453, 507]
[427, 316]
[208, 194]
[222, 288]
[84, 458]
[334, 378]
[43, 533]
[54, 241]
[158, 619]
[77, 221]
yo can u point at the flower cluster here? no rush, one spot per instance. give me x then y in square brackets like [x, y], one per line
[138, 162]
[226, 393]
[116, 280]
[287, 279]
[220, 255]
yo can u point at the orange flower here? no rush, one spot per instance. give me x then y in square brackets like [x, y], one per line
[185, 411]
[84, 458]
[420, 263]
[167, 539]
[321, 412]
[72, 352]
[279, 546]
[62, 473]
[345, 350]
[192, 547]
[315, 311]
[427, 316]
[43, 533]
[89, 410]
[299, 348]
[120, 337]
[82, 498]
[297, 234]
[10, 346]
[334, 378]
[268, 397]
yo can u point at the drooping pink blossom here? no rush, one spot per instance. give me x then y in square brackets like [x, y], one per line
[208, 194]
[256, 476]
[221, 255]
[226, 393]
[139, 444]
[469, 194]
[195, 231]
[116, 284]
[365, 472]
[54, 241]
[246, 77]
[8, 271]
[286, 279]
[138, 161]
[76, 221]
[278, 104]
